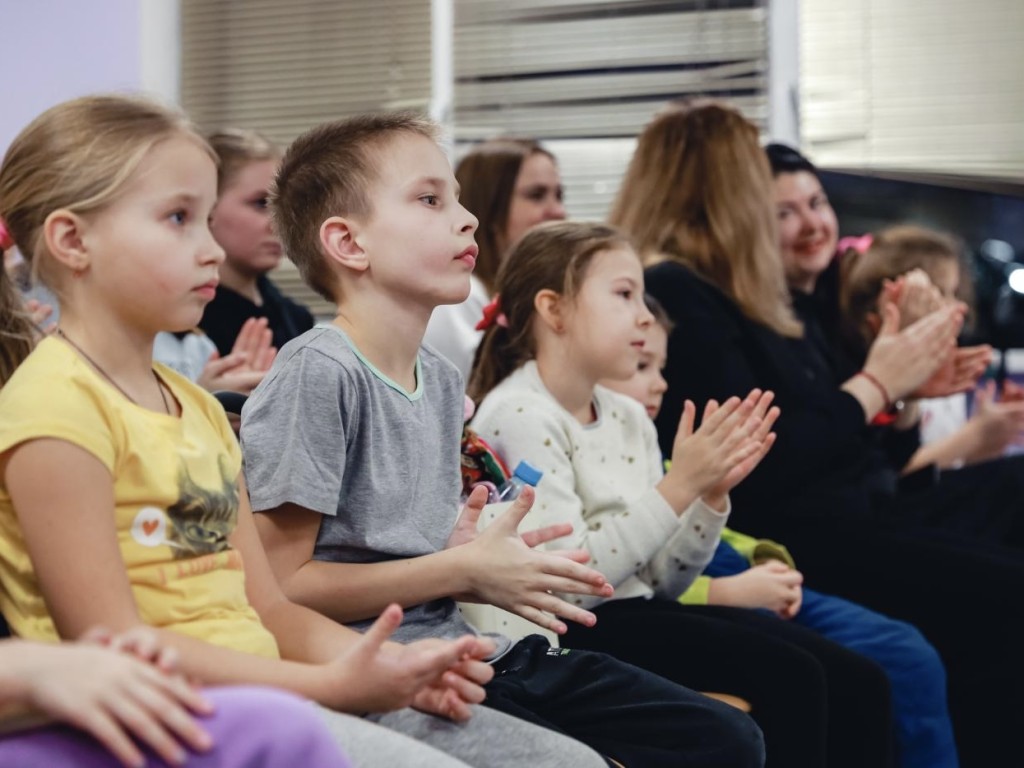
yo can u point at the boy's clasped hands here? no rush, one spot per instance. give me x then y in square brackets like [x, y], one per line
[441, 677]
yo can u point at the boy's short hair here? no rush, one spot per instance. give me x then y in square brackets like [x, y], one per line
[326, 172]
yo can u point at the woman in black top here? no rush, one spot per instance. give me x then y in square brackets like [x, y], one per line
[982, 500]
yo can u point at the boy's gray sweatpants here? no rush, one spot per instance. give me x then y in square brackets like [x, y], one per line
[490, 739]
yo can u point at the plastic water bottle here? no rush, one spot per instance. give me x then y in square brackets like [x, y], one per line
[524, 474]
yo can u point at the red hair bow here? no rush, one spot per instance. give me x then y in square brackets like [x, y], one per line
[6, 241]
[493, 316]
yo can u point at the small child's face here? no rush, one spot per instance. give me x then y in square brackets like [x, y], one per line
[241, 220]
[418, 239]
[607, 320]
[647, 386]
[150, 251]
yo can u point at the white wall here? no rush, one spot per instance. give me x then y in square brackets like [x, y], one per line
[54, 50]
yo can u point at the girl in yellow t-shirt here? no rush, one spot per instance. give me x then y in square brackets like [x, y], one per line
[122, 501]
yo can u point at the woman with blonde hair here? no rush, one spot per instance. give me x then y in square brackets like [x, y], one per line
[698, 199]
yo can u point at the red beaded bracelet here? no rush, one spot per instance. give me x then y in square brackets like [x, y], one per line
[881, 388]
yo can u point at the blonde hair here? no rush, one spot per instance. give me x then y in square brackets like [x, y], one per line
[16, 329]
[699, 191]
[236, 148]
[326, 172]
[893, 252]
[487, 178]
[77, 156]
[552, 256]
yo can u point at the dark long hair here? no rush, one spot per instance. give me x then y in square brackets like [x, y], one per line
[487, 177]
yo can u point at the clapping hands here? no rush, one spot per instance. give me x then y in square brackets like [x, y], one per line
[709, 462]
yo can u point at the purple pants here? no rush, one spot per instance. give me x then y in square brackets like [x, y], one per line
[250, 727]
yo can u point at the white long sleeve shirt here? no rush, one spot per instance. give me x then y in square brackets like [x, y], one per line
[601, 478]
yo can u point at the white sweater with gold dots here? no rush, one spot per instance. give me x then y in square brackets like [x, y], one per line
[601, 478]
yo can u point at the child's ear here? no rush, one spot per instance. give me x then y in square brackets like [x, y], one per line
[338, 238]
[550, 309]
[64, 233]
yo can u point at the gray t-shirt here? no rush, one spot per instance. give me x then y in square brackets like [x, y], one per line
[329, 432]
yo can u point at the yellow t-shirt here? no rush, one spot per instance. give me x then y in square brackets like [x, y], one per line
[175, 498]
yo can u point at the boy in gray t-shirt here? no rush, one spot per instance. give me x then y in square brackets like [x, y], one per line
[330, 433]
[351, 450]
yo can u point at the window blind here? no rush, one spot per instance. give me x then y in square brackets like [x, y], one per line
[928, 85]
[283, 67]
[586, 76]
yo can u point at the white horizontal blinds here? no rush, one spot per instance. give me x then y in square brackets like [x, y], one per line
[585, 77]
[283, 67]
[918, 84]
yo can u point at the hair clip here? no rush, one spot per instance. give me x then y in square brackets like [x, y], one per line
[6, 241]
[493, 316]
[858, 244]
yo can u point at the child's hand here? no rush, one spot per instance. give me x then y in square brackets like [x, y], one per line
[256, 341]
[439, 676]
[246, 365]
[772, 585]
[141, 642]
[462, 685]
[504, 570]
[761, 421]
[958, 373]
[914, 294]
[996, 424]
[702, 460]
[114, 697]
[465, 529]
[1011, 392]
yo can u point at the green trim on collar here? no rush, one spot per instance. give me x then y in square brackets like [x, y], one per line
[378, 374]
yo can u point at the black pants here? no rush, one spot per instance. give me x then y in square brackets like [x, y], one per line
[818, 703]
[639, 719]
[962, 594]
[983, 502]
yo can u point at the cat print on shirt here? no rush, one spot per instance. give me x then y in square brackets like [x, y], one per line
[202, 519]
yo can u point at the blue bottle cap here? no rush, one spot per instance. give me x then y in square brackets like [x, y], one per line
[528, 473]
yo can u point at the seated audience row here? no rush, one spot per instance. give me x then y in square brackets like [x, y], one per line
[162, 533]
[775, 413]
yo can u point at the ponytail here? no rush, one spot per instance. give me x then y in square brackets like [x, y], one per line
[499, 354]
[16, 328]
